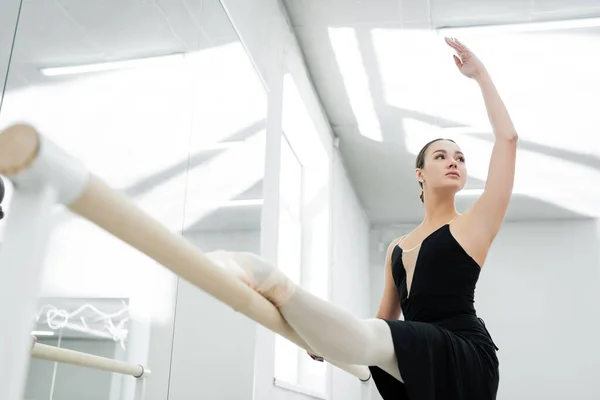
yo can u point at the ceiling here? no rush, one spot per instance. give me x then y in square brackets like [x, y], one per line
[55, 33]
[388, 85]
[58, 33]
[386, 82]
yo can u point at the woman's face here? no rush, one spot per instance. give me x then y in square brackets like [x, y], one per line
[444, 167]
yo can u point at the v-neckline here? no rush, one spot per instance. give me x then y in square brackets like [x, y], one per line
[420, 247]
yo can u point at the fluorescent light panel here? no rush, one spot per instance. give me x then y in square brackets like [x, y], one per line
[243, 203]
[356, 81]
[107, 66]
[523, 27]
[221, 145]
[463, 130]
[42, 333]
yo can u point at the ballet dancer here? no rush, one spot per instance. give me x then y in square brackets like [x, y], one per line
[442, 350]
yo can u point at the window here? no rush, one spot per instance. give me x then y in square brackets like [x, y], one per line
[304, 243]
[289, 250]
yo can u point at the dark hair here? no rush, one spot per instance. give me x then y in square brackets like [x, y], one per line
[1, 197]
[420, 162]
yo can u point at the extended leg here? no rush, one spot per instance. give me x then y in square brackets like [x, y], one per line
[338, 335]
[328, 329]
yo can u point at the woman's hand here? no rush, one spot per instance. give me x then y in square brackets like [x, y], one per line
[467, 62]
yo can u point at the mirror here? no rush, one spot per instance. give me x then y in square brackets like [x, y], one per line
[161, 100]
[9, 15]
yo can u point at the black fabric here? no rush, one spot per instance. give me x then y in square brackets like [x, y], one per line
[1, 197]
[443, 348]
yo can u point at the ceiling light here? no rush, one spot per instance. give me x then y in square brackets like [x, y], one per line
[351, 64]
[106, 66]
[243, 203]
[465, 130]
[522, 27]
[221, 145]
[42, 333]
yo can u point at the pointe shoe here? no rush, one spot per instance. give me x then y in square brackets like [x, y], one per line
[257, 273]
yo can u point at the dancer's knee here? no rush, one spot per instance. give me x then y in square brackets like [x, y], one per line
[380, 351]
[379, 345]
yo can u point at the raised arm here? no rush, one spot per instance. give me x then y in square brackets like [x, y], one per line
[486, 215]
[389, 307]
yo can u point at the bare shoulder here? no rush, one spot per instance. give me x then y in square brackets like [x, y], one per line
[389, 307]
[475, 243]
[392, 247]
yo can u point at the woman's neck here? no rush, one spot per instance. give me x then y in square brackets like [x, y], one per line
[439, 210]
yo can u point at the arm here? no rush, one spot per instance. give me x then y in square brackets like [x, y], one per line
[389, 308]
[487, 213]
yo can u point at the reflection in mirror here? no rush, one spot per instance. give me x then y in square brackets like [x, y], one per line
[160, 100]
[92, 326]
[9, 16]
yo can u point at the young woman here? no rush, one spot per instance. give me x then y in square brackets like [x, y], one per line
[442, 350]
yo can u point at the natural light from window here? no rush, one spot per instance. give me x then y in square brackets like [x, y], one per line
[181, 138]
[356, 81]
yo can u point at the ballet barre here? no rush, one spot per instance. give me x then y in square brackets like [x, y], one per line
[45, 175]
[66, 356]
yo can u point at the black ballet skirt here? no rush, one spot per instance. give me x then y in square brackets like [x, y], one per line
[443, 349]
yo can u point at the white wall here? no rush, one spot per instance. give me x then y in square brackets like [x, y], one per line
[72, 382]
[8, 20]
[213, 346]
[350, 273]
[267, 35]
[540, 297]
[9, 11]
[539, 294]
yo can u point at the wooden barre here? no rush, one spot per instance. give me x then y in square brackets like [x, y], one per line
[57, 354]
[21, 147]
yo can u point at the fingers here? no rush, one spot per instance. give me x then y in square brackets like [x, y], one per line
[459, 63]
[461, 46]
[456, 44]
[460, 49]
[451, 42]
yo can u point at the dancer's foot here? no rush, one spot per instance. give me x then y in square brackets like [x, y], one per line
[257, 273]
